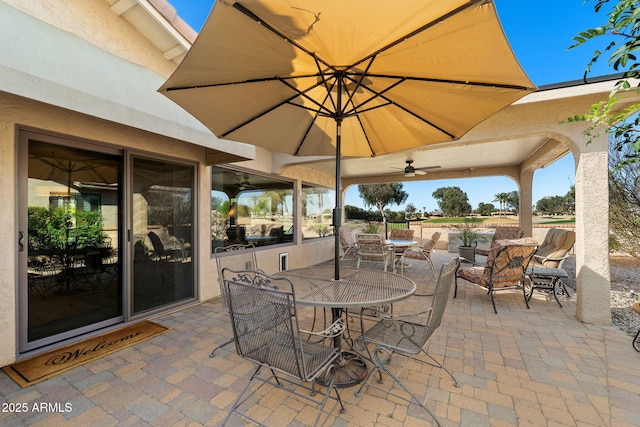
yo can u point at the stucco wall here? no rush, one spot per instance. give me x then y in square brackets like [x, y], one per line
[18, 111]
[24, 112]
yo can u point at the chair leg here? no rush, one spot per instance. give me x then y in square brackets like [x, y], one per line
[556, 283]
[440, 365]
[455, 287]
[226, 343]
[381, 366]
[524, 291]
[636, 341]
[493, 301]
[433, 268]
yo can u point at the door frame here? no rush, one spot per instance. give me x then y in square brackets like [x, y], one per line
[130, 155]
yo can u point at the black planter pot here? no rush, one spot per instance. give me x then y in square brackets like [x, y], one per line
[467, 252]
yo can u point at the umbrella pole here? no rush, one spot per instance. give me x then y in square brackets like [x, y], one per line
[337, 212]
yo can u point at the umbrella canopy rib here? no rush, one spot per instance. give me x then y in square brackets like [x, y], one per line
[425, 27]
[269, 27]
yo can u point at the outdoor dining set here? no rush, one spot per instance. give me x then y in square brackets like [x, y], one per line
[364, 317]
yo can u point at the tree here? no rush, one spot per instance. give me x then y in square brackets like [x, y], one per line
[513, 201]
[452, 201]
[381, 195]
[623, 27]
[570, 200]
[410, 209]
[501, 198]
[553, 205]
[624, 203]
[485, 209]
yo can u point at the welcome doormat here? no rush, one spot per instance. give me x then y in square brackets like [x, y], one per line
[39, 368]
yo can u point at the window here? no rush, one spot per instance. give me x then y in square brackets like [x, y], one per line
[250, 208]
[317, 211]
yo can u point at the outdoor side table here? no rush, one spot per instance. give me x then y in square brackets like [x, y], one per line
[358, 287]
[548, 280]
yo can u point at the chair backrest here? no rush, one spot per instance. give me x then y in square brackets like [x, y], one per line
[441, 296]
[503, 233]
[277, 232]
[235, 257]
[508, 261]
[264, 319]
[401, 234]
[371, 245]
[557, 243]
[431, 243]
[158, 246]
[347, 237]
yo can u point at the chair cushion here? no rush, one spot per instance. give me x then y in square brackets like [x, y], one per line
[475, 275]
[502, 233]
[495, 248]
[401, 234]
[425, 250]
[557, 243]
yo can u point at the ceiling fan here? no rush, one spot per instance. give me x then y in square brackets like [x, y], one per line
[410, 171]
[243, 184]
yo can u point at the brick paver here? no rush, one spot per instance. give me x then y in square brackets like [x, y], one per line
[538, 367]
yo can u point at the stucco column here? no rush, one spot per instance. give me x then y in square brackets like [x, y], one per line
[592, 234]
[526, 209]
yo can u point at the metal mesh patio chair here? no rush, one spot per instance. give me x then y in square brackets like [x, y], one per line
[265, 327]
[407, 335]
[505, 268]
[236, 257]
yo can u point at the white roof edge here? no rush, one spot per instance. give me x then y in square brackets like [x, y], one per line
[571, 91]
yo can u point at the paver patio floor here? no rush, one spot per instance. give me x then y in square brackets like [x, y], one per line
[536, 367]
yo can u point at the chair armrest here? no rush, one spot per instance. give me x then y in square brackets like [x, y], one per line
[335, 329]
[544, 258]
[463, 259]
[396, 316]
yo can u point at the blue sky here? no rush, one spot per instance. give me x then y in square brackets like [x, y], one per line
[540, 32]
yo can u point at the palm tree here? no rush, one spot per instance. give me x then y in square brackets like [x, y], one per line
[501, 198]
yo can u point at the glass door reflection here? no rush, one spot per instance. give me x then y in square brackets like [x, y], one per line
[73, 263]
[162, 206]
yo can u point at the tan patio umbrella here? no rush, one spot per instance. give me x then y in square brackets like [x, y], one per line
[347, 78]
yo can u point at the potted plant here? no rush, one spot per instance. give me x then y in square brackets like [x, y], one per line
[469, 236]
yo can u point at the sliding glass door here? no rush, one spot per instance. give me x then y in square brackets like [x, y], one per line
[71, 280]
[104, 237]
